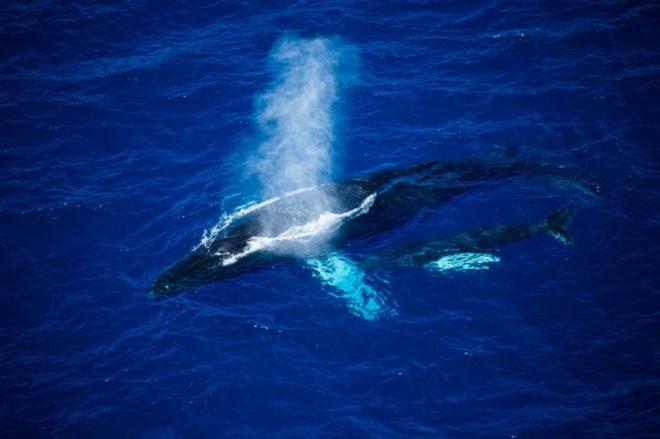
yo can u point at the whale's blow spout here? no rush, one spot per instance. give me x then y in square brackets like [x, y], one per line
[296, 118]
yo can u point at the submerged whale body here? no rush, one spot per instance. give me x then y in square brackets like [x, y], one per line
[368, 298]
[279, 229]
[471, 250]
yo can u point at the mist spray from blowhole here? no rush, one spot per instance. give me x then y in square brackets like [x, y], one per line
[297, 119]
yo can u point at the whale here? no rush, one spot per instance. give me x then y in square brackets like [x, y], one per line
[355, 278]
[471, 250]
[283, 228]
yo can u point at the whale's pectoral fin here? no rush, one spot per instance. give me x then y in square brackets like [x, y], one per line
[466, 261]
[349, 283]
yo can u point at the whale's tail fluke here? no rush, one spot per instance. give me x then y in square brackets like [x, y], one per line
[558, 223]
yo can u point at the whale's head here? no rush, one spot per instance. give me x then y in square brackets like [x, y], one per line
[274, 230]
[165, 284]
[175, 279]
[220, 260]
[185, 274]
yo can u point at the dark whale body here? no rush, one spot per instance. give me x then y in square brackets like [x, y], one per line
[399, 194]
[472, 242]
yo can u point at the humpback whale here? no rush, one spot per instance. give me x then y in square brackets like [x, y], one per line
[471, 250]
[276, 229]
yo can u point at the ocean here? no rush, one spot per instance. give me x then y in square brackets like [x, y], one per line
[130, 129]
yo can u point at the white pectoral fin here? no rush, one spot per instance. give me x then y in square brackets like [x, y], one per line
[349, 282]
[467, 261]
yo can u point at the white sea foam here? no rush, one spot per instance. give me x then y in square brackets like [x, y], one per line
[228, 219]
[297, 239]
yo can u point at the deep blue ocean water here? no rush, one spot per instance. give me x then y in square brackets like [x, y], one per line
[125, 132]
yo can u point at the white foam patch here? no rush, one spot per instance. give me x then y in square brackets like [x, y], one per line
[310, 232]
[464, 262]
[228, 219]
